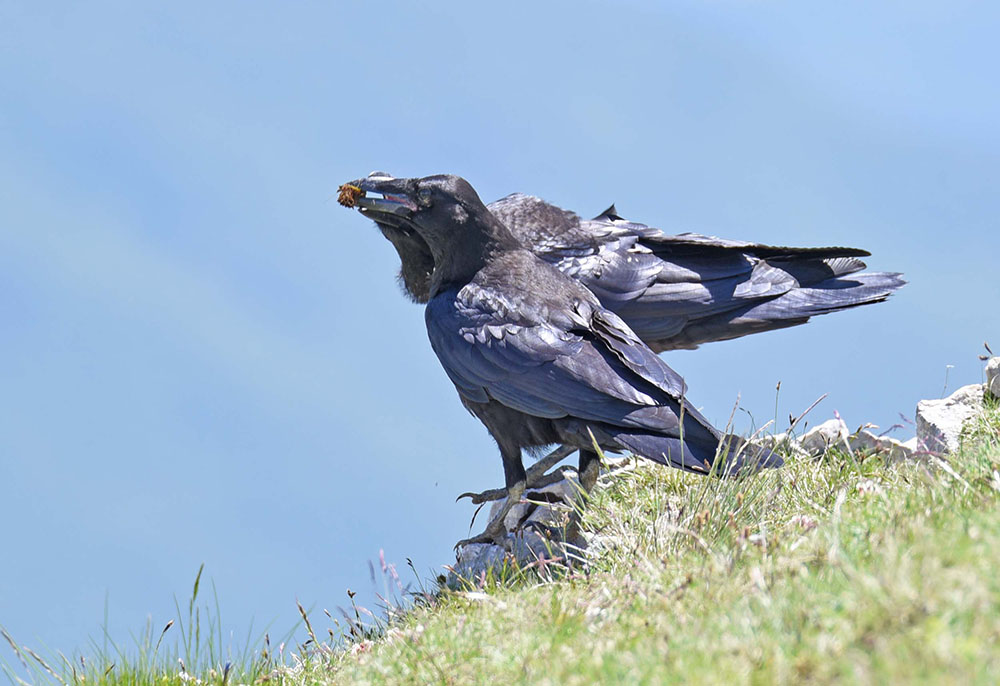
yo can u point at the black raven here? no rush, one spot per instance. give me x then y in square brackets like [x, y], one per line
[532, 352]
[674, 291]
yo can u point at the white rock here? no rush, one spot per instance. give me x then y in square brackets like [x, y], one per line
[895, 449]
[476, 560]
[566, 491]
[940, 422]
[818, 439]
[866, 442]
[472, 561]
[993, 376]
[782, 443]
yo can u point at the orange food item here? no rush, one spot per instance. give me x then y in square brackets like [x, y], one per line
[349, 195]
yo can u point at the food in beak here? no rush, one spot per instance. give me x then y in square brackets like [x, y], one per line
[349, 195]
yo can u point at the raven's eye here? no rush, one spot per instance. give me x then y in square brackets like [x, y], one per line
[424, 197]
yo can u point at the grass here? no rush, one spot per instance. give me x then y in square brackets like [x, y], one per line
[186, 649]
[842, 569]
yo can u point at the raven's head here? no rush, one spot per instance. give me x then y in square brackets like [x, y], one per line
[415, 258]
[436, 223]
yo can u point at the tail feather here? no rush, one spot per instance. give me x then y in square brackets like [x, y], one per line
[842, 266]
[809, 273]
[693, 243]
[828, 296]
[789, 309]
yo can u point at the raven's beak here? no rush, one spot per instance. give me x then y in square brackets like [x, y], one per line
[394, 201]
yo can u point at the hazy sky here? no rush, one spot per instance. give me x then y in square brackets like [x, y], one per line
[203, 358]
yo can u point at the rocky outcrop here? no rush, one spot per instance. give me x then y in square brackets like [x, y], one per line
[864, 441]
[835, 434]
[940, 422]
[819, 439]
[993, 377]
[784, 443]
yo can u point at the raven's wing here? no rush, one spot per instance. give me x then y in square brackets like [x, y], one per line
[712, 289]
[584, 363]
[677, 291]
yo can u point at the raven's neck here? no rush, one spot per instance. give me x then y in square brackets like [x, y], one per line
[458, 259]
[416, 263]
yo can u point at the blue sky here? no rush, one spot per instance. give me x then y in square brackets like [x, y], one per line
[204, 359]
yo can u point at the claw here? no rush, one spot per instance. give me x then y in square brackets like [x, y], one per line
[534, 482]
[485, 496]
[536, 477]
[495, 531]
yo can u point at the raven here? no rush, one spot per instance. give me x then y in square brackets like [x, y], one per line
[533, 353]
[675, 292]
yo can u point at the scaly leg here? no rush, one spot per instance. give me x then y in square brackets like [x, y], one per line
[590, 470]
[535, 477]
[496, 530]
[516, 480]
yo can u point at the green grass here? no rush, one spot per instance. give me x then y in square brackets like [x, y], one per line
[843, 569]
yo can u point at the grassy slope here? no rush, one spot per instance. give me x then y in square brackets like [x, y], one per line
[833, 570]
[841, 569]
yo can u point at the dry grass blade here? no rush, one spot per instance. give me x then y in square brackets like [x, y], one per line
[44, 664]
[17, 651]
[305, 618]
[809, 409]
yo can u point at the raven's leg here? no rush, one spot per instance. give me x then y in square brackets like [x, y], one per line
[590, 469]
[535, 476]
[515, 477]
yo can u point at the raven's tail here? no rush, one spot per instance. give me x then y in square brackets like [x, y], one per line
[832, 295]
[730, 456]
[791, 308]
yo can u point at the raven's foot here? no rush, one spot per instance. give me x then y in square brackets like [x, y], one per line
[536, 477]
[540, 481]
[496, 530]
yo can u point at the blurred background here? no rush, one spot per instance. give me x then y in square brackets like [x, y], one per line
[204, 359]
